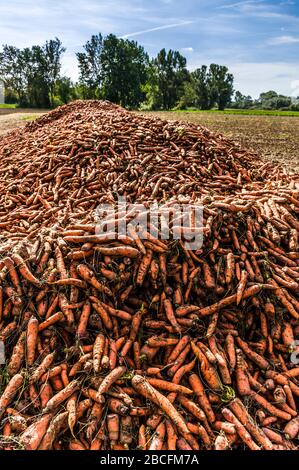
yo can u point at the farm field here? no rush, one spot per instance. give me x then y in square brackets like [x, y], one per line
[274, 137]
[11, 118]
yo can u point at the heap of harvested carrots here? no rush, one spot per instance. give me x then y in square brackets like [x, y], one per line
[140, 343]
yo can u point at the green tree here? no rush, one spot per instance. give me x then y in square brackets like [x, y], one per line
[64, 90]
[170, 74]
[90, 67]
[31, 73]
[220, 84]
[272, 100]
[50, 62]
[242, 101]
[199, 79]
[124, 70]
[12, 71]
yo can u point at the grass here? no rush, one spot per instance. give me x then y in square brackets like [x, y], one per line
[246, 112]
[32, 117]
[8, 106]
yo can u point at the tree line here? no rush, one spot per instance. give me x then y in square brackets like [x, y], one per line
[121, 71]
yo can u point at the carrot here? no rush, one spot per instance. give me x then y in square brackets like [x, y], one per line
[112, 377]
[98, 350]
[34, 434]
[71, 407]
[113, 427]
[240, 429]
[192, 407]
[240, 411]
[103, 314]
[253, 356]
[90, 278]
[45, 394]
[118, 251]
[31, 340]
[149, 392]
[209, 373]
[24, 270]
[55, 318]
[241, 286]
[201, 396]
[291, 430]
[17, 356]
[13, 274]
[142, 440]
[171, 435]
[93, 420]
[270, 408]
[144, 267]
[242, 379]
[170, 315]
[61, 396]
[230, 350]
[10, 391]
[158, 438]
[42, 368]
[83, 322]
[57, 424]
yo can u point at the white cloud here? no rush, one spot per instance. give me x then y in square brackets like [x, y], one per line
[158, 28]
[253, 78]
[187, 49]
[282, 40]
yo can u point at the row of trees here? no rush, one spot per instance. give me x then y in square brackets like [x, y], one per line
[269, 100]
[112, 68]
[32, 74]
[121, 71]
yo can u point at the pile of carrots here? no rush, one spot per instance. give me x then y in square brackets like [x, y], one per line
[129, 342]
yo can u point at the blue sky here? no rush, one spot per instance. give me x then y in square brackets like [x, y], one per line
[257, 39]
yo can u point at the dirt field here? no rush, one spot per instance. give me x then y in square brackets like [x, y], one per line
[12, 118]
[274, 137]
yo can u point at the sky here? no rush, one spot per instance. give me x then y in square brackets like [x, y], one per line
[257, 39]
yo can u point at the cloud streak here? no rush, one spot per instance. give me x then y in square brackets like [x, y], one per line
[158, 28]
[283, 40]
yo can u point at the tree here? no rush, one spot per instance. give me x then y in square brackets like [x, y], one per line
[124, 71]
[220, 84]
[90, 66]
[189, 97]
[200, 84]
[271, 100]
[12, 71]
[242, 101]
[51, 62]
[31, 73]
[64, 90]
[170, 75]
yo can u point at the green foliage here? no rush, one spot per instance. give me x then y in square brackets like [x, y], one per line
[271, 100]
[168, 75]
[90, 66]
[31, 73]
[115, 69]
[242, 101]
